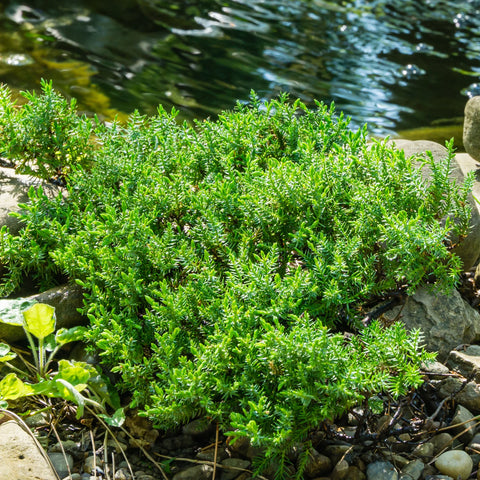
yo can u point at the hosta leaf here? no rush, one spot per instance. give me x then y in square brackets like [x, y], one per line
[39, 320]
[76, 373]
[49, 343]
[67, 391]
[11, 388]
[5, 353]
[45, 387]
[11, 310]
[116, 420]
[73, 334]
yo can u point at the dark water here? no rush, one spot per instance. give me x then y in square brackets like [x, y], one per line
[394, 64]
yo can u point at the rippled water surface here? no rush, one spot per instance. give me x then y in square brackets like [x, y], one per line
[394, 64]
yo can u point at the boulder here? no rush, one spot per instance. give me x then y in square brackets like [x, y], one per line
[446, 320]
[469, 248]
[66, 299]
[22, 457]
[471, 128]
[14, 191]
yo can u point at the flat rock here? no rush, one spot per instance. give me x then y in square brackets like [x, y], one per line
[22, 458]
[465, 364]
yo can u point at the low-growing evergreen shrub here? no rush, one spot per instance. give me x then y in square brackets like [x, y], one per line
[43, 136]
[217, 260]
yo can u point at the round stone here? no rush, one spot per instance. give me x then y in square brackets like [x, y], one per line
[455, 463]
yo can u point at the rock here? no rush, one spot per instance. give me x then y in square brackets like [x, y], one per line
[471, 128]
[455, 463]
[424, 450]
[413, 470]
[466, 426]
[340, 470]
[209, 454]
[234, 464]
[439, 477]
[14, 191]
[200, 472]
[22, 458]
[141, 430]
[198, 427]
[66, 299]
[441, 441]
[354, 473]
[122, 474]
[336, 452]
[448, 320]
[465, 364]
[317, 464]
[469, 248]
[62, 463]
[436, 370]
[38, 420]
[469, 397]
[90, 463]
[73, 476]
[381, 471]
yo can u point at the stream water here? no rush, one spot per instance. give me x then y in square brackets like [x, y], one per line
[394, 64]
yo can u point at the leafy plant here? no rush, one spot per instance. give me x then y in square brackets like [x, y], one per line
[77, 382]
[218, 260]
[44, 136]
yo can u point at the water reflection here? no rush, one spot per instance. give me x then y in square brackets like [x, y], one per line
[394, 64]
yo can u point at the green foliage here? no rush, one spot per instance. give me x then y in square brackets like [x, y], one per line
[217, 260]
[44, 136]
[77, 382]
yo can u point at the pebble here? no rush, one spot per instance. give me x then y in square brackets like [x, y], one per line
[381, 471]
[90, 463]
[317, 464]
[354, 473]
[200, 472]
[336, 452]
[340, 471]
[455, 463]
[461, 416]
[424, 450]
[441, 441]
[413, 470]
[198, 427]
[122, 474]
[61, 463]
[228, 474]
[73, 476]
[38, 420]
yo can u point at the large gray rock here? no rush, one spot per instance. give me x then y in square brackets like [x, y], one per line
[14, 191]
[469, 248]
[446, 321]
[22, 457]
[471, 128]
[66, 299]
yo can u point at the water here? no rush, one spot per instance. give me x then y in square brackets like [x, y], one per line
[394, 64]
